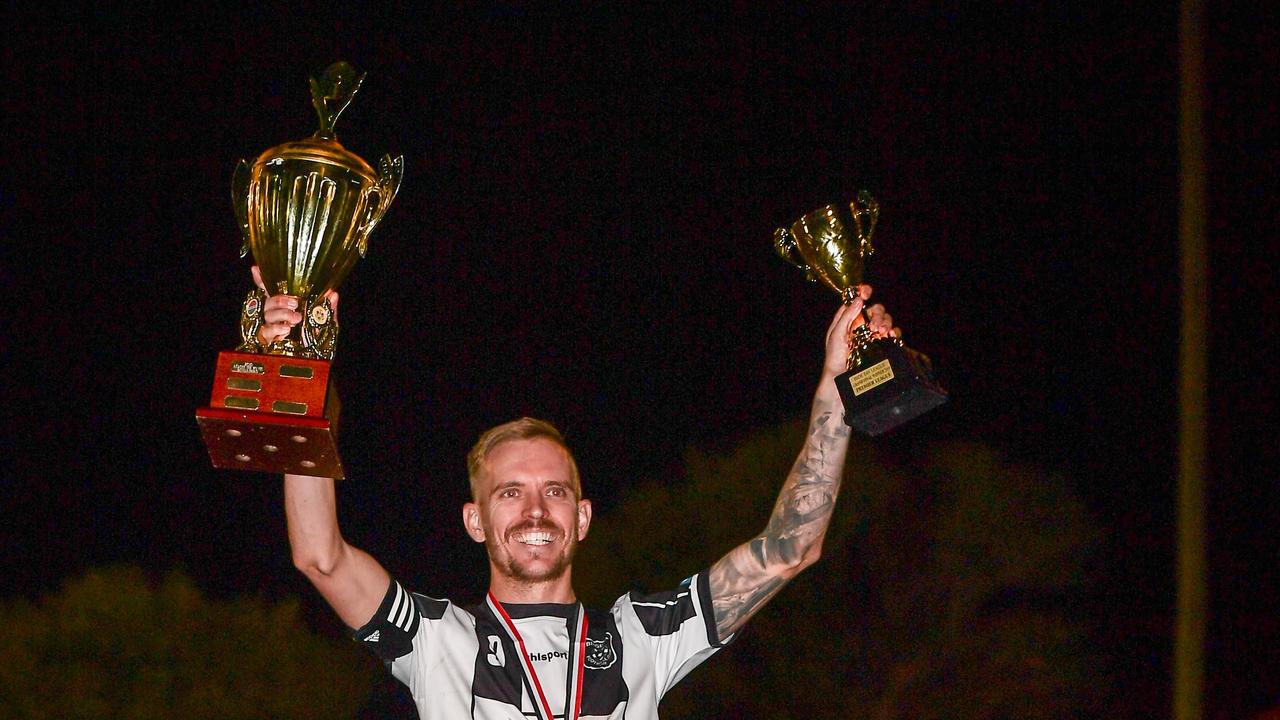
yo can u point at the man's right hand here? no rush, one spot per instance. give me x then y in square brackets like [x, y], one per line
[280, 312]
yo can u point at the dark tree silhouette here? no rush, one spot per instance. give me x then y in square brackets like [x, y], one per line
[111, 644]
[952, 586]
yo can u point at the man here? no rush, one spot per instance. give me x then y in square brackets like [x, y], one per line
[530, 650]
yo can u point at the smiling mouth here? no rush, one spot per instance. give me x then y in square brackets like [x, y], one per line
[534, 537]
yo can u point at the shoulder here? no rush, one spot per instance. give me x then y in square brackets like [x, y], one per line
[400, 604]
[665, 612]
[405, 618]
[404, 611]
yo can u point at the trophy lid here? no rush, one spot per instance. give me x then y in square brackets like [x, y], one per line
[330, 95]
[321, 150]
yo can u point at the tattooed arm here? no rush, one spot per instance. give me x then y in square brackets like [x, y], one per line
[752, 573]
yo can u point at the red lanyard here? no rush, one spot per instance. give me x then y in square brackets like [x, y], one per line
[573, 678]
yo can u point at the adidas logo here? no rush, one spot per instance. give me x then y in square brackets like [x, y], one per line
[373, 637]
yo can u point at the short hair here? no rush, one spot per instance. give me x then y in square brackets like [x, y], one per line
[525, 428]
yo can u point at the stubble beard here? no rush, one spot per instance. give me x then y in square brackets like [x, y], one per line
[511, 567]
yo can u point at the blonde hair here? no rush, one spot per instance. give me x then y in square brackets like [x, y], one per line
[526, 428]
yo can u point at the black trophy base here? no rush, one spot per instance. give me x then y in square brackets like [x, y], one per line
[892, 385]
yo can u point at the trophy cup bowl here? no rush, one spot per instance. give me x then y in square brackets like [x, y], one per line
[305, 210]
[887, 383]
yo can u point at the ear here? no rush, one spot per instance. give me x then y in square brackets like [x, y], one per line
[472, 522]
[584, 518]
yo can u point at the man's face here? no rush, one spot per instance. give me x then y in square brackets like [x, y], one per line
[527, 512]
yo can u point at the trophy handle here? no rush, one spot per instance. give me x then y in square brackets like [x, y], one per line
[866, 213]
[785, 245]
[319, 327]
[240, 202]
[390, 173]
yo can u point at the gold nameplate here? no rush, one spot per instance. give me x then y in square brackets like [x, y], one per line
[871, 378]
[242, 403]
[296, 371]
[291, 408]
[239, 383]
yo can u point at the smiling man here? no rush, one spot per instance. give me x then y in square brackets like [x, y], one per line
[530, 650]
[527, 509]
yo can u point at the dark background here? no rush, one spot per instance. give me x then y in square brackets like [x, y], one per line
[584, 234]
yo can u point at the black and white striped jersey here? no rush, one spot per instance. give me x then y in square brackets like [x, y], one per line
[468, 663]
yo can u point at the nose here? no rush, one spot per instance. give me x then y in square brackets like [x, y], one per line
[536, 506]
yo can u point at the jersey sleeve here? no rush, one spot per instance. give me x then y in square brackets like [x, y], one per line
[677, 628]
[402, 615]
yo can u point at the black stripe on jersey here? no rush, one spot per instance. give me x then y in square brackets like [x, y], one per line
[603, 687]
[497, 671]
[708, 611]
[429, 607]
[663, 613]
[389, 634]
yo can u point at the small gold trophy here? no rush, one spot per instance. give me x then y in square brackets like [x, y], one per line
[887, 383]
[305, 210]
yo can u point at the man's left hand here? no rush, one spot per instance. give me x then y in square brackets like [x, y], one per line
[847, 318]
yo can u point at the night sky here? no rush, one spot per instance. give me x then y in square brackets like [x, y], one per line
[584, 234]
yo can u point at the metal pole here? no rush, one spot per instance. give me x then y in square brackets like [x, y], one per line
[1188, 685]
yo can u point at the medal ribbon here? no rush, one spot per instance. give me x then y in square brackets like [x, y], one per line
[573, 677]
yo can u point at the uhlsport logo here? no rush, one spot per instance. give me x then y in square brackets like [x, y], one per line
[548, 656]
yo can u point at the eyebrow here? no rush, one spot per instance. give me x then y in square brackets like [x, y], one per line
[520, 484]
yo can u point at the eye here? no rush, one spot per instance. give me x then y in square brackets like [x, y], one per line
[509, 493]
[555, 491]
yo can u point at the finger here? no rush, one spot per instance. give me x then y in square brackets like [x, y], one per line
[837, 321]
[881, 324]
[896, 332]
[282, 316]
[864, 292]
[278, 302]
[257, 278]
[281, 309]
[846, 314]
[271, 332]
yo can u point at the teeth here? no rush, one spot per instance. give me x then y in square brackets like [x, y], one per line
[533, 538]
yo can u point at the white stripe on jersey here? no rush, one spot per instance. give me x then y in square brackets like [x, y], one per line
[668, 603]
[400, 609]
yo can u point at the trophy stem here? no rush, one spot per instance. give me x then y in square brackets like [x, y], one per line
[287, 346]
[860, 338]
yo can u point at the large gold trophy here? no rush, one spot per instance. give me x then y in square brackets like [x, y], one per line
[887, 383]
[305, 210]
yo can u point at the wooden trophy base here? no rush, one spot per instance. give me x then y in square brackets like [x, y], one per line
[891, 385]
[272, 413]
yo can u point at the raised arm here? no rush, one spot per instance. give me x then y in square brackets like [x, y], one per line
[349, 578]
[752, 573]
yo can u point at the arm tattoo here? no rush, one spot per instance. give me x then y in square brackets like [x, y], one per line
[745, 579]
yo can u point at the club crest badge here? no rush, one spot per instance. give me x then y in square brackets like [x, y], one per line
[600, 654]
